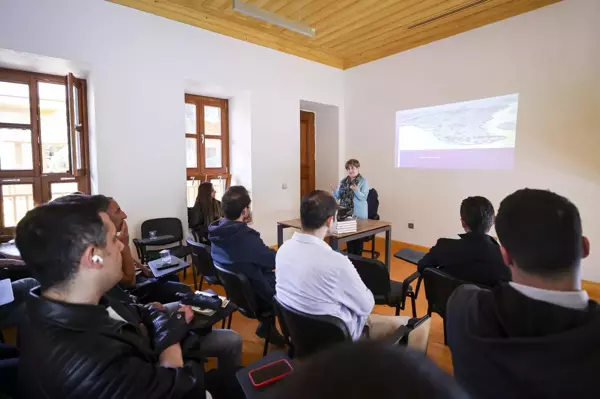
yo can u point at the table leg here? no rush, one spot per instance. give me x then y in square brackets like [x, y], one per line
[388, 247]
[279, 235]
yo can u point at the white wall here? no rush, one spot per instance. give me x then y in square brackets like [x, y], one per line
[240, 135]
[550, 56]
[327, 143]
[139, 68]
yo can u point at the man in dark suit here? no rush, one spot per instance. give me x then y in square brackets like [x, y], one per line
[539, 335]
[475, 257]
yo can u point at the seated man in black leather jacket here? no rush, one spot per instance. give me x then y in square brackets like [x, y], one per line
[79, 343]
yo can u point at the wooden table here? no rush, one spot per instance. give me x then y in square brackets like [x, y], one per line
[366, 228]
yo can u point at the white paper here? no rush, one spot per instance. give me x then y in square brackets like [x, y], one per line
[6, 292]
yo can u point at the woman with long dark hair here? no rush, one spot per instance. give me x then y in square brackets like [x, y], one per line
[205, 211]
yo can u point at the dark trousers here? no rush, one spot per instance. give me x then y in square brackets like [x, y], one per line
[355, 247]
[266, 305]
[160, 290]
[9, 362]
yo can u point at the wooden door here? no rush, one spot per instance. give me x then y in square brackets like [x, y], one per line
[307, 152]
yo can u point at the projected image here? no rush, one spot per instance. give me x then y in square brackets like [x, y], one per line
[478, 134]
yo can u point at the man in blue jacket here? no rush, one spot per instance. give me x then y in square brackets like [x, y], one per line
[236, 246]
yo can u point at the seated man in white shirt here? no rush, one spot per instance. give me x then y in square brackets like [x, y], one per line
[314, 279]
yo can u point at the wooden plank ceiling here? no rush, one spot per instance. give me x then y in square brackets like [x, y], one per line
[348, 32]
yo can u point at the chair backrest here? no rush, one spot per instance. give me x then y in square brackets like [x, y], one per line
[189, 214]
[163, 226]
[373, 204]
[439, 286]
[374, 274]
[239, 290]
[202, 260]
[308, 333]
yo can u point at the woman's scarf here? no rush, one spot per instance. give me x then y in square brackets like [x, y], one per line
[347, 194]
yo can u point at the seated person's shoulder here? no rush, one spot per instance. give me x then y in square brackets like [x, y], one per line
[468, 296]
[445, 243]
[338, 261]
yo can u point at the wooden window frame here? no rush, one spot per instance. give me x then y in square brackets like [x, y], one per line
[40, 180]
[201, 173]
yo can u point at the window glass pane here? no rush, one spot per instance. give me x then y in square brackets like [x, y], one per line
[14, 103]
[15, 149]
[17, 200]
[190, 118]
[191, 154]
[212, 153]
[76, 106]
[53, 122]
[219, 186]
[192, 192]
[62, 189]
[79, 153]
[212, 121]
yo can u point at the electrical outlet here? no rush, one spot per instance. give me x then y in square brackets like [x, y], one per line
[284, 186]
[411, 225]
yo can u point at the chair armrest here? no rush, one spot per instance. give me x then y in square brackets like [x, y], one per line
[399, 335]
[419, 282]
[159, 240]
[407, 281]
[417, 321]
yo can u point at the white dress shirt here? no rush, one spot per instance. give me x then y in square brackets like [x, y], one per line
[566, 299]
[314, 279]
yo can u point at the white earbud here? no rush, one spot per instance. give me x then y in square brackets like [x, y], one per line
[97, 259]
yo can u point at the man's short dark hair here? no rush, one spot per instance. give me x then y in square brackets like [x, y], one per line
[234, 201]
[316, 207]
[477, 213]
[102, 202]
[369, 369]
[541, 231]
[52, 238]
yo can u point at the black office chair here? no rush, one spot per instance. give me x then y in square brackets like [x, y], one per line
[308, 334]
[203, 263]
[376, 277]
[372, 212]
[162, 227]
[240, 292]
[439, 286]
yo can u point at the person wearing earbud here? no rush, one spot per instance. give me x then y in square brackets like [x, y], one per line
[80, 343]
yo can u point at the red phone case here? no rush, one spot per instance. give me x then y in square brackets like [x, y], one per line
[272, 380]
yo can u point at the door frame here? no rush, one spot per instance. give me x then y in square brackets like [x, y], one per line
[309, 117]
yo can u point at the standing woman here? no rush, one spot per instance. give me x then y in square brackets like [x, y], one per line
[352, 193]
[205, 211]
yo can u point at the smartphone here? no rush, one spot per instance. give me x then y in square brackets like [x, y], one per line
[270, 373]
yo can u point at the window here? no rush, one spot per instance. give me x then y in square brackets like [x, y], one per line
[43, 141]
[206, 144]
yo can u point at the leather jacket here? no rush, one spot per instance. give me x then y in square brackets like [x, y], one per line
[110, 350]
